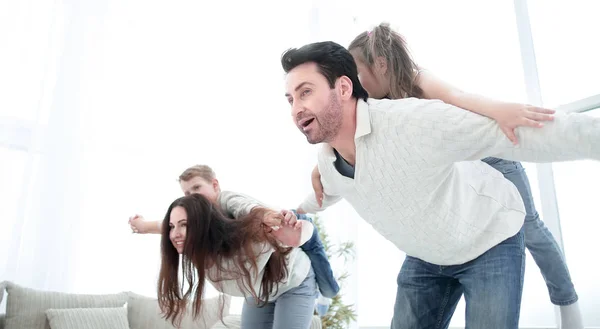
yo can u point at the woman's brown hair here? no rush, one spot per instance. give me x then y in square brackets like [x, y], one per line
[386, 43]
[212, 241]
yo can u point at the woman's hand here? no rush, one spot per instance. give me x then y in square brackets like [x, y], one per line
[315, 178]
[272, 219]
[510, 116]
[275, 220]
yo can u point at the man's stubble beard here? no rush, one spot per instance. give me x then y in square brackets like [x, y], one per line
[329, 121]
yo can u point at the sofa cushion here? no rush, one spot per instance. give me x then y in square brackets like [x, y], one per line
[2, 288]
[144, 313]
[2, 316]
[25, 307]
[88, 318]
[234, 321]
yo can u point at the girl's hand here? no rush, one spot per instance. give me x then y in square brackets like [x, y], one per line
[511, 116]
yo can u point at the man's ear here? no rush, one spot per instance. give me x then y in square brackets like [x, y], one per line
[346, 87]
[216, 185]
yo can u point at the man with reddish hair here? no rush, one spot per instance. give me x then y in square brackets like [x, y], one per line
[201, 179]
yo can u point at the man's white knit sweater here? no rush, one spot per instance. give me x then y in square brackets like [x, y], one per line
[419, 182]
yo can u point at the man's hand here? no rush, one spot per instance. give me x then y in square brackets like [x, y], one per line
[140, 225]
[315, 179]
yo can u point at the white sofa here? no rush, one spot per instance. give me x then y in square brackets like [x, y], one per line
[35, 309]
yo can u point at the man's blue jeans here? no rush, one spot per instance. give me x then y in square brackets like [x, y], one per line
[327, 283]
[492, 283]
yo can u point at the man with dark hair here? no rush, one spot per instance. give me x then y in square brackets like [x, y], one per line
[410, 167]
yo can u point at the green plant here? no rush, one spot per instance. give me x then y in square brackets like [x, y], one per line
[339, 314]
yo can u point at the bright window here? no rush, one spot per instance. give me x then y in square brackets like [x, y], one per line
[565, 35]
[577, 190]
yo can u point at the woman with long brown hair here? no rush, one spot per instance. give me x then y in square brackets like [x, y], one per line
[240, 257]
[386, 70]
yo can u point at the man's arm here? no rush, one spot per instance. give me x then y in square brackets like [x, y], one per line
[440, 133]
[310, 204]
[508, 115]
[239, 205]
[139, 225]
